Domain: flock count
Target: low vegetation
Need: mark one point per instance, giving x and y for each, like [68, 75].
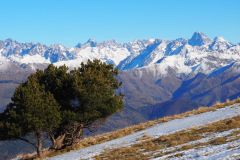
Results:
[88, 141]
[145, 148]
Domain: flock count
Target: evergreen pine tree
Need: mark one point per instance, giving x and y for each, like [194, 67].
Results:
[32, 111]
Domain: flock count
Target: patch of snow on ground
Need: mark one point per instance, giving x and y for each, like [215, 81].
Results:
[217, 152]
[203, 152]
[155, 131]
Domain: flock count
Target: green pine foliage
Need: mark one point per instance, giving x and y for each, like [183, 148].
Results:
[32, 111]
[95, 84]
[62, 103]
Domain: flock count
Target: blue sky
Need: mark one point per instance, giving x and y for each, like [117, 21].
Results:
[71, 21]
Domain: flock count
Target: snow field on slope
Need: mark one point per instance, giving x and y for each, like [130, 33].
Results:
[155, 131]
[229, 150]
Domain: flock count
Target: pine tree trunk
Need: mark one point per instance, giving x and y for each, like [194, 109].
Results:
[39, 145]
[57, 143]
[71, 134]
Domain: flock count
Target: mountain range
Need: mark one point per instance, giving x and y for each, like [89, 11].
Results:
[159, 77]
[183, 53]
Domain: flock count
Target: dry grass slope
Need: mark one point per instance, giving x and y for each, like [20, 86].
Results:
[88, 141]
[144, 149]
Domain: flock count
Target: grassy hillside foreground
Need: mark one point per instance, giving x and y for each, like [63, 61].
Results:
[149, 145]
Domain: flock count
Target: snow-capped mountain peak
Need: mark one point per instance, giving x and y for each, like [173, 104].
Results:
[90, 43]
[219, 39]
[79, 45]
[220, 44]
[199, 39]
